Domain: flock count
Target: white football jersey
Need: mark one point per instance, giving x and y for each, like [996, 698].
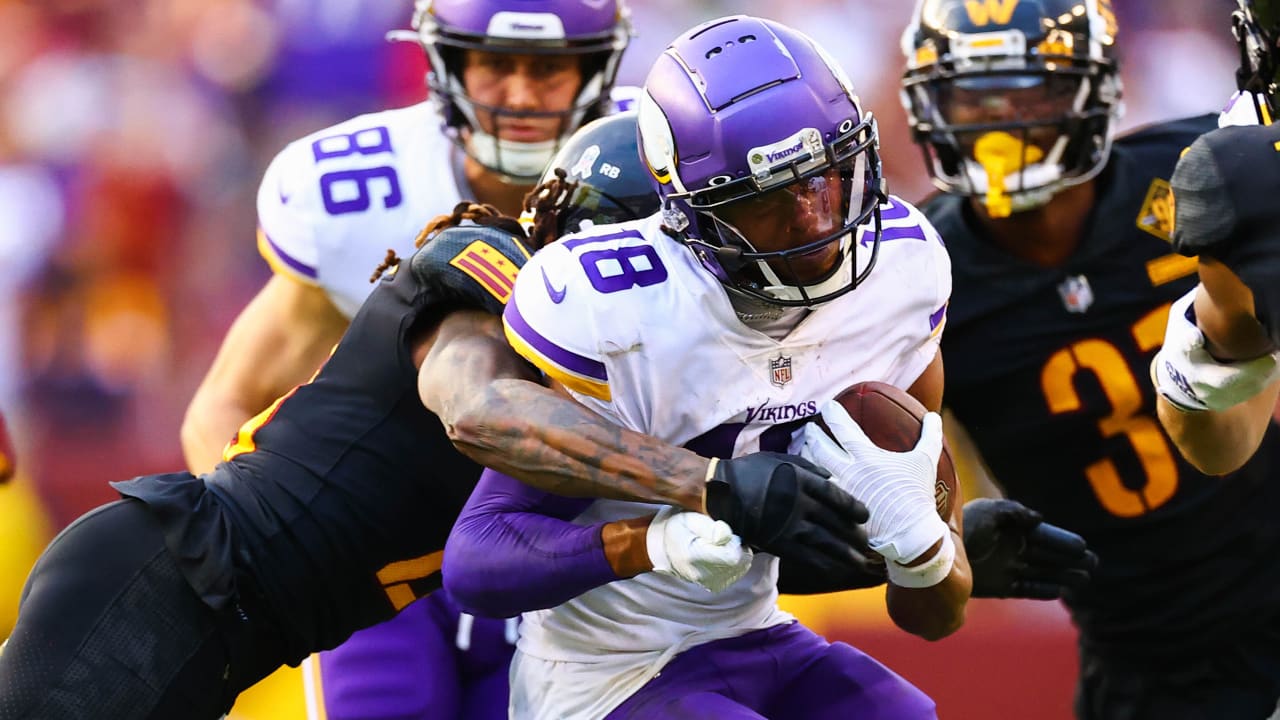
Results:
[332, 203]
[630, 321]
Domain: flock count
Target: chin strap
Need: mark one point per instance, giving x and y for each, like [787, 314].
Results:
[999, 156]
[517, 159]
[840, 277]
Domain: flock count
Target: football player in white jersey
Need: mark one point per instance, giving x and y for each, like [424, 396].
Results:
[727, 322]
[510, 82]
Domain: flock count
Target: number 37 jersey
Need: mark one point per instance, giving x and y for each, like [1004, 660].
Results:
[638, 330]
[1048, 370]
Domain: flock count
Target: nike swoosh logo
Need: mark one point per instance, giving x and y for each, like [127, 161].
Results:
[557, 296]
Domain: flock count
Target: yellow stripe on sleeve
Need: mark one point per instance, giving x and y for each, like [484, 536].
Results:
[577, 383]
[277, 264]
[1167, 268]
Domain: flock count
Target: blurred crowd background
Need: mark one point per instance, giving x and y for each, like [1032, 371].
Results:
[133, 134]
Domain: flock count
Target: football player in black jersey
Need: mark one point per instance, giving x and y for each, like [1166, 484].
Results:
[1063, 278]
[331, 508]
[1218, 374]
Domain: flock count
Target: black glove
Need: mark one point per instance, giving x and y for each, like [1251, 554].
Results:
[785, 505]
[1014, 553]
[799, 577]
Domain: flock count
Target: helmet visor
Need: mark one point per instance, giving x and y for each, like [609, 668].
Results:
[1033, 107]
[798, 229]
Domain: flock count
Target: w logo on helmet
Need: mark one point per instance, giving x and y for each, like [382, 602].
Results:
[984, 12]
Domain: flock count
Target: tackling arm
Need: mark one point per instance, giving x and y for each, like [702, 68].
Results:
[279, 340]
[497, 415]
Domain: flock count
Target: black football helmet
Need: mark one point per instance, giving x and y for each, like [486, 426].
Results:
[1256, 25]
[602, 171]
[1012, 100]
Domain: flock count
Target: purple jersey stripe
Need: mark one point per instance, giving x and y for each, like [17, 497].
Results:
[294, 264]
[936, 317]
[571, 361]
[572, 243]
[889, 234]
[894, 211]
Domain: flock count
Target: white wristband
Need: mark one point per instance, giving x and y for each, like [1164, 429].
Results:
[928, 574]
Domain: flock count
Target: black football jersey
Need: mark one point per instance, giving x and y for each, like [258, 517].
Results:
[1048, 370]
[338, 498]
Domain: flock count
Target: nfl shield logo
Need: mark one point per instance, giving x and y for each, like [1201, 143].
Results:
[780, 370]
[1076, 294]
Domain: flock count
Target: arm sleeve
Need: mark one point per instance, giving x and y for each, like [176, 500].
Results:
[515, 549]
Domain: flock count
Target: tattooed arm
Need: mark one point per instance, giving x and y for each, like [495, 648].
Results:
[496, 413]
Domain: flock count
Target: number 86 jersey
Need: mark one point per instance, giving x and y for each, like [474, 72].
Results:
[332, 203]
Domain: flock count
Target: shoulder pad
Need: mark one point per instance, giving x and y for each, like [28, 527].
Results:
[472, 265]
[1168, 134]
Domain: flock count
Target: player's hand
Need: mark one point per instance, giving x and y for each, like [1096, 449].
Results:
[1185, 374]
[1014, 553]
[785, 505]
[696, 548]
[896, 486]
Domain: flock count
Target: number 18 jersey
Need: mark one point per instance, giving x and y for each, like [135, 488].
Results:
[638, 330]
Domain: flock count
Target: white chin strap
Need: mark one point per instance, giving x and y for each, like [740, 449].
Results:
[839, 279]
[514, 158]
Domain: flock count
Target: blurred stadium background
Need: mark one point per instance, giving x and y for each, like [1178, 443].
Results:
[133, 134]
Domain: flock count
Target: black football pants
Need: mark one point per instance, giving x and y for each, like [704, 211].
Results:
[1240, 681]
[109, 629]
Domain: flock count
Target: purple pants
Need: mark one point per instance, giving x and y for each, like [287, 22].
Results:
[786, 671]
[411, 668]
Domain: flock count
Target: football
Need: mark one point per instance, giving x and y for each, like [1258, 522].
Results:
[892, 419]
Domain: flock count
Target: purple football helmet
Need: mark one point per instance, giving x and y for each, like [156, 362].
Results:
[764, 160]
[596, 31]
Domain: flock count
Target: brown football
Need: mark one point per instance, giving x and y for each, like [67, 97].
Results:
[892, 419]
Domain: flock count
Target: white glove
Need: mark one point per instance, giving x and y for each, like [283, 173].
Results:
[1244, 109]
[1186, 375]
[693, 547]
[897, 488]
